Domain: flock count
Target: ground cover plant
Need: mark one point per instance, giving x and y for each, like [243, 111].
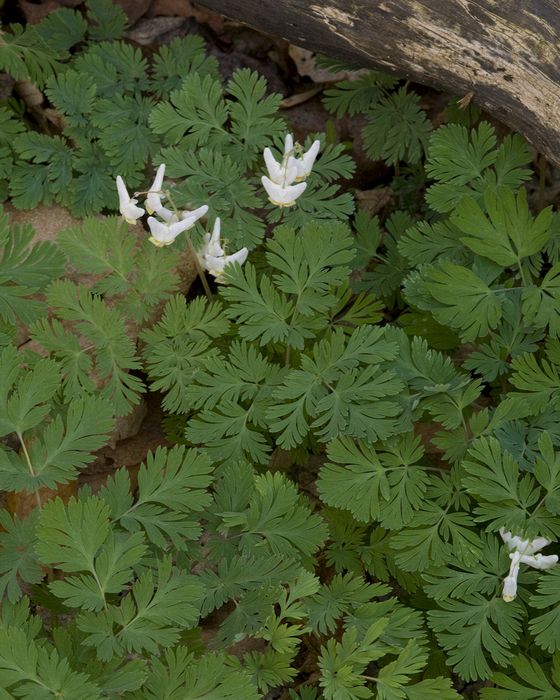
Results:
[360, 494]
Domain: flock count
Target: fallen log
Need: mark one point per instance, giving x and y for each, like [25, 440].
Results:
[505, 53]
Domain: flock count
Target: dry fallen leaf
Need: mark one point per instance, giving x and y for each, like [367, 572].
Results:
[306, 67]
[299, 98]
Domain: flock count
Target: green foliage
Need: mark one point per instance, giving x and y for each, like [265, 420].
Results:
[108, 351]
[531, 682]
[476, 631]
[25, 54]
[397, 130]
[387, 487]
[465, 164]
[276, 521]
[354, 417]
[171, 485]
[509, 233]
[33, 670]
[26, 268]
[355, 96]
[135, 278]
[55, 442]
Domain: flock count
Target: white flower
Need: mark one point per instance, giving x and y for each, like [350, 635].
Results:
[282, 196]
[127, 204]
[523, 552]
[212, 256]
[164, 233]
[216, 265]
[524, 546]
[166, 214]
[283, 173]
[281, 176]
[191, 217]
[171, 218]
[211, 245]
[153, 200]
[509, 591]
[305, 163]
[540, 561]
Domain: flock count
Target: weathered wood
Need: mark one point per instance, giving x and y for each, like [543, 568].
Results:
[506, 53]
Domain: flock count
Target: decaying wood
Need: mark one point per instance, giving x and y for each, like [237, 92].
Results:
[506, 53]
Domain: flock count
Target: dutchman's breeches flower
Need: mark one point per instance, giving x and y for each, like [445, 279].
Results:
[281, 176]
[212, 256]
[127, 204]
[153, 200]
[282, 195]
[523, 552]
[166, 233]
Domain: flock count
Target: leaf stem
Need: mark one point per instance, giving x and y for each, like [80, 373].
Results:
[520, 266]
[30, 467]
[199, 270]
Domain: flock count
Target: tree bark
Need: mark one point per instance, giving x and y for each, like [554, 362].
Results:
[506, 53]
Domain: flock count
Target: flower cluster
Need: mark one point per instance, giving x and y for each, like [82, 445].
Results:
[523, 552]
[163, 232]
[296, 165]
[165, 229]
[278, 184]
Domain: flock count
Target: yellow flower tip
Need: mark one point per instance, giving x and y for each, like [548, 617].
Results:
[282, 204]
[131, 222]
[158, 244]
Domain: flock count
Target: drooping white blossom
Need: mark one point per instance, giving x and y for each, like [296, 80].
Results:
[212, 256]
[211, 243]
[215, 265]
[191, 217]
[153, 199]
[127, 204]
[282, 195]
[523, 551]
[164, 233]
[306, 161]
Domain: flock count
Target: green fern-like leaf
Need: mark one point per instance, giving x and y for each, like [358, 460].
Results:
[276, 520]
[179, 344]
[113, 351]
[26, 55]
[176, 60]
[527, 680]
[476, 632]
[19, 561]
[107, 20]
[172, 488]
[25, 269]
[62, 29]
[148, 618]
[465, 163]
[139, 276]
[398, 129]
[374, 486]
[211, 675]
[332, 393]
[30, 670]
[357, 96]
[456, 297]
